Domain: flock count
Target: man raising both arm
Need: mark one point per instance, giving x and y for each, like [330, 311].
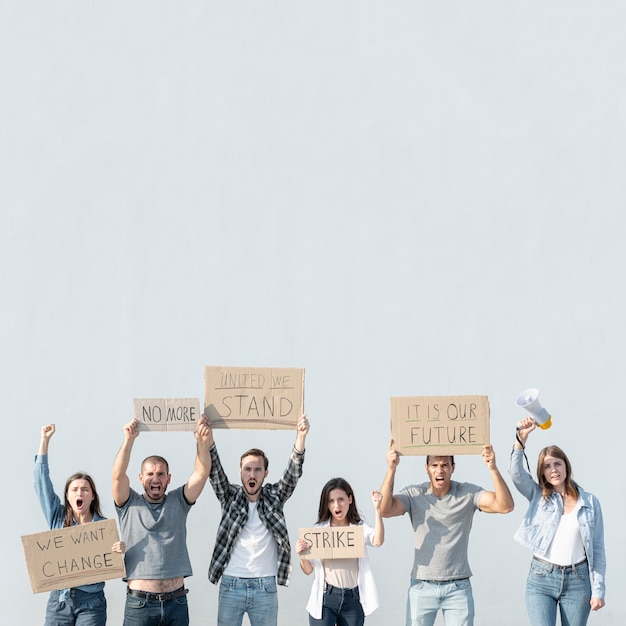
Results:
[441, 512]
[252, 553]
[153, 525]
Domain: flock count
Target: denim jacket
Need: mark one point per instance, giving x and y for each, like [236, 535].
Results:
[543, 516]
[54, 512]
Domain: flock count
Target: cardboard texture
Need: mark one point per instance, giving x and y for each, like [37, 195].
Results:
[73, 556]
[251, 398]
[339, 542]
[440, 425]
[167, 413]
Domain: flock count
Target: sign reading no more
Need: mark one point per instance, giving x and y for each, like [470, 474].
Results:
[167, 413]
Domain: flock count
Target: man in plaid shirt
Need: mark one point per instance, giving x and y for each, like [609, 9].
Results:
[252, 552]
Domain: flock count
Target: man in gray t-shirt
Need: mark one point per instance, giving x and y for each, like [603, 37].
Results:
[441, 513]
[153, 525]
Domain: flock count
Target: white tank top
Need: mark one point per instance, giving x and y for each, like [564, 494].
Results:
[567, 546]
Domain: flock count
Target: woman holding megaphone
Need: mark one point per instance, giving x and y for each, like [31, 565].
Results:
[564, 529]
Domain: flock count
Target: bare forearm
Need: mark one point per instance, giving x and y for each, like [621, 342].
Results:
[386, 489]
[504, 500]
[379, 530]
[122, 460]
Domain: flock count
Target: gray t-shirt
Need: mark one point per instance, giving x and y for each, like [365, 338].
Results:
[155, 536]
[441, 529]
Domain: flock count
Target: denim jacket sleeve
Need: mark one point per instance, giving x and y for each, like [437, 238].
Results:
[50, 503]
[522, 480]
[592, 530]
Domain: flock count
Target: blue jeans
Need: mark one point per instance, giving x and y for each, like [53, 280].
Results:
[80, 609]
[454, 598]
[341, 607]
[145, 612]
[550, 585]
[258, 597]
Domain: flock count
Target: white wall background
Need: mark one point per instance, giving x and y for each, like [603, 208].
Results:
[404, 198]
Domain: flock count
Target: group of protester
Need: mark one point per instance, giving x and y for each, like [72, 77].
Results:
[563, 528]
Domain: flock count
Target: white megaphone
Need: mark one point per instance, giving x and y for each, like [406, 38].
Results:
[529, 401]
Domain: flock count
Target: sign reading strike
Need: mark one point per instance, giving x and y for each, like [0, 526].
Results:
[338, 542]
[73, 556]
[440, 424]
[167, 413]
[253, 398]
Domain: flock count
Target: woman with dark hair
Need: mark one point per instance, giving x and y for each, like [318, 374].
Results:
[343, 591]
[564, 529]
[84, 605]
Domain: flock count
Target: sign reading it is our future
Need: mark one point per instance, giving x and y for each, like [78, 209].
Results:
[440, 425]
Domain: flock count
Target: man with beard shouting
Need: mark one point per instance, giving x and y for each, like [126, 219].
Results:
[154, 527]
[252, 553]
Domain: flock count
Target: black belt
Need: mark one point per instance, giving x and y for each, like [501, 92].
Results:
[159, 597]
[443, 582]
[561, 567]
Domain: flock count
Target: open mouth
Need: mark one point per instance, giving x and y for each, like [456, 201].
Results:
[79, 503]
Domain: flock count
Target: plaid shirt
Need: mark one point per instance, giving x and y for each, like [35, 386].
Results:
[235, 514]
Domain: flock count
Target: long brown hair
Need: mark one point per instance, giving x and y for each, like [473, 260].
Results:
[95, 503]
[546, 488]
[337, 483]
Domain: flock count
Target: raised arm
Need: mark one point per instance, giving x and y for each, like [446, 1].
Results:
[290, 477]
[500, 500]
[46, 434]
[50, 503]
[302, 430]
[202, 465]
[522, 479]
[390, 506]
[121, 482]
[379, 527]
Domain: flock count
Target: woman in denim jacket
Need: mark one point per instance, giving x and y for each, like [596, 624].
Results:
[86, 604]
[564, 529]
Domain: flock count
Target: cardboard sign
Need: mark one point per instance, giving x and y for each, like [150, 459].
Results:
[339, 542]
[440, 425]
[253, 398]
[73, 556]
[167, 413]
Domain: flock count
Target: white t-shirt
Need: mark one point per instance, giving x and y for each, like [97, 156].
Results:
[255, 553]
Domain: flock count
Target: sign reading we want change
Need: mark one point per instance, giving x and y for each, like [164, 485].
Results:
[73, 556]
[440, 425]
[259, 398]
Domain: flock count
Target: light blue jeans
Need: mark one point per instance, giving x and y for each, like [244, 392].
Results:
[454, 598]
[258, 597]
[81, 608]
[550, 585]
